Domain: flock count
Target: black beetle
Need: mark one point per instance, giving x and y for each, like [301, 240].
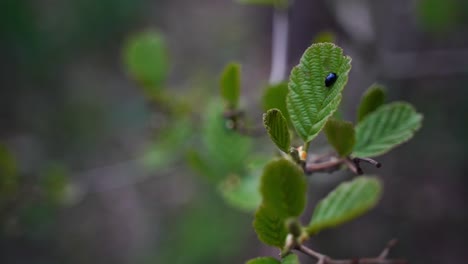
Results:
[330, 79]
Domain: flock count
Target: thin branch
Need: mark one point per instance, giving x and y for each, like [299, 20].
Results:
[353, 166]
[279, 49]
[381, 259]
[368, 160]
[332, 164]
[392, 243]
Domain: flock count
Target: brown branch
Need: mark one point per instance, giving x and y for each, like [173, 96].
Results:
[368, 160]
[353, 166]
[329, 165]
[381, 259]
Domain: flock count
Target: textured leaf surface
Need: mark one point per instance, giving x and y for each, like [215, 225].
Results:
[310, 103]
[277, 128]
[341, 136]
[263, 260]
[270, 226]
[348, 201]
[386, 128]
[371, 100]
[291, 258]
[146, 59]
[230, 85]
[274, 96]
[283, 188]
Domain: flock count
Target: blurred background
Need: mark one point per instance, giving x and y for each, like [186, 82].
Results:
[104, 159]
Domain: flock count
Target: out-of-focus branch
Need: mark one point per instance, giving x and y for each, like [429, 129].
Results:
[381, 259]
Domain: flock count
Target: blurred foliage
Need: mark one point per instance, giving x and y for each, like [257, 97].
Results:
[442, 15]
[230, 85]
[325, 36]
[274, 3]
[54, 181]
[146, 59]
[8, 175]
[225, 150]
[341, 136]
[169, 144]
[206, 232]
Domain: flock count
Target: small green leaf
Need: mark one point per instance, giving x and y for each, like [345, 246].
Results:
[341, 136]
[283, 188]
[291, 258]
[372, 99]
[348, 201]
[146, 59]
[274, 96]
[270, 226]
[310, 103]
[277, 128]
[263, 260]
[384, 129]
[230, 85]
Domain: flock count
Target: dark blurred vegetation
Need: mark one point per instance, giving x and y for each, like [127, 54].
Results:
[93, 162]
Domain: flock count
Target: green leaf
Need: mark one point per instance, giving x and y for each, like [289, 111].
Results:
[310, 103]
[230, 85]
[348, 201]
[275, 3]
[263, 260]
[274, 96]
[389, 126]
[146, 59]
[341, 136]
[277, 128]
[270, 226]
[167, 146]
[291, 258]
[283, 188]
[372, 99]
